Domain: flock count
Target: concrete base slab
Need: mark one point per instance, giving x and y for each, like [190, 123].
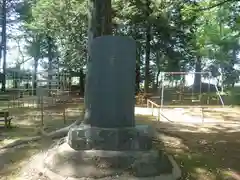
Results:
[96, 164]
[38, 167]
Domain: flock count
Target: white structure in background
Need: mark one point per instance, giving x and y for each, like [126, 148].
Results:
[20, 84]
[163, 112]
[53, 89]
[186, 75]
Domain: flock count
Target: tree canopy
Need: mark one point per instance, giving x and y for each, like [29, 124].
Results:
[179, 35]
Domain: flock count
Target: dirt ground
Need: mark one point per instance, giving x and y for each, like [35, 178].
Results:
[204, 152]
[207, 151]
[27, 122]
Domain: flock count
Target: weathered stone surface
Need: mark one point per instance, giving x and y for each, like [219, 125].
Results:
[110, 82]
[99, 164]
[38, 168]
[86, 137]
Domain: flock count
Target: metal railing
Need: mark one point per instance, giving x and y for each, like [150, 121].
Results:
[152, 105]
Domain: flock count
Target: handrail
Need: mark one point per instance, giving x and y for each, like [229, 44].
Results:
[151, 102]
[152, 107]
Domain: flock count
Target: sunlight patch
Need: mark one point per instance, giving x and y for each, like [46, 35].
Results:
[204, 174]
[8, 141]
[173, 142]
[231, 174]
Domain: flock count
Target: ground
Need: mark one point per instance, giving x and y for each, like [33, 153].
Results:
[211, 155]
[209, 152]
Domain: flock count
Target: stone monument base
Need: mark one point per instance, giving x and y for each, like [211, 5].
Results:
[85, 137]
[96, 153]
[66, 162]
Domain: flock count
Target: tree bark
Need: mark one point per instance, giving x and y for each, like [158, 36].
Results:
[197, 77]
[4, 43]
[50, 62]
[52, 135]
[138, 73]
[156, 81]
[81, 82]
[148, 49]
[35, 76]
[36, 61]
[99, 24]
[100, 18]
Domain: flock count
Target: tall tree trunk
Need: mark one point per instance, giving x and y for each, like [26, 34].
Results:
[35, 76]
[4, 43]
[81, 82]
[69, 83]
[36, 62]
[100, 18]
[99, 24]
[138, 79]
[147, 54]
[233, 61]
[50, 62]
[156, 81]
[197, 77]
[159, 60]
[138, 73]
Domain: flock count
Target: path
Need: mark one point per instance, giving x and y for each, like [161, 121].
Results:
[193, 114]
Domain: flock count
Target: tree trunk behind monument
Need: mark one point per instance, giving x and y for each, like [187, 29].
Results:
[100, 18]
[99, 24]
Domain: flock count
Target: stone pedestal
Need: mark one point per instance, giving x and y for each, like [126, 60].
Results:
[85, 137]
[96, 164]
[99, 153]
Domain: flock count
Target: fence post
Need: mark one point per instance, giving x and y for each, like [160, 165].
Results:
[152, 109]
[202, 114]
[158, 114]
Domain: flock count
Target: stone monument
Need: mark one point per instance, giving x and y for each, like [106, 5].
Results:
[108, 143]
[111, 82]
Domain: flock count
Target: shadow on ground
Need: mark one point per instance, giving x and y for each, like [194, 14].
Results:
[209, 153]
[27, 121]
[204, 152]
[12, 160]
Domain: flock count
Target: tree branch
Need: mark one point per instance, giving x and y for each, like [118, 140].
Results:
[217, 4]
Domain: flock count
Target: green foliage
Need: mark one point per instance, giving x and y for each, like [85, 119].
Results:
[65, 21]
[181, 31]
